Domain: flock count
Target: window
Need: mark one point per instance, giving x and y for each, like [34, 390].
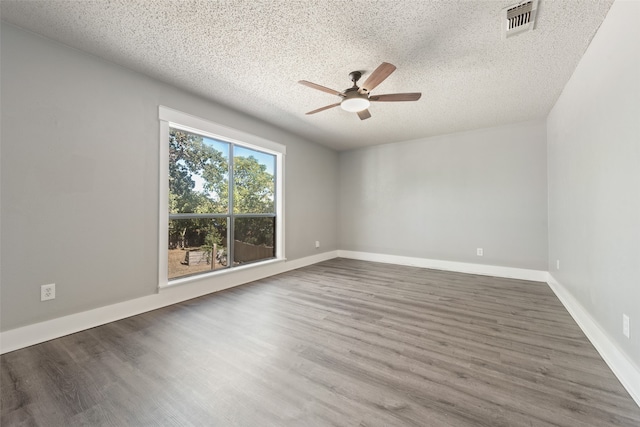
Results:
[223, 201]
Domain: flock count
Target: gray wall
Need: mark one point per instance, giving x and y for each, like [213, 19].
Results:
[594, 178]
[79, 176]
[443, 197]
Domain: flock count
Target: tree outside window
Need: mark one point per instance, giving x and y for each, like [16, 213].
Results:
[221, 204]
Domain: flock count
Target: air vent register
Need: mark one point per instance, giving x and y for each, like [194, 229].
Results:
[518, 18]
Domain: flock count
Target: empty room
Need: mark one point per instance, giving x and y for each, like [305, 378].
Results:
[329, 213]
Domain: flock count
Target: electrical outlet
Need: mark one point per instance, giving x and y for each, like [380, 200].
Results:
[479, 252]
[557, 264]
[48, 292]
[625, 325]
[317, 243]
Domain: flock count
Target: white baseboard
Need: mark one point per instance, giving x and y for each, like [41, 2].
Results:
[25, 336]
[623, 368]
[460, 267]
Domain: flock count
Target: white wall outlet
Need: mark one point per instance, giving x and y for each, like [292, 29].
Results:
[480, 252]
[557, 264]
[317, 243]
[625, 325]
[48, 292]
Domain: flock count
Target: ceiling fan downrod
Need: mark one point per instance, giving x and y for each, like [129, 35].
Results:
[355, 76]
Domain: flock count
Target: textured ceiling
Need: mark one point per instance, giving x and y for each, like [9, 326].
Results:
[249, 55]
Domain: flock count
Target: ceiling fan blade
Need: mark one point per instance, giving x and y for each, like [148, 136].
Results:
[322, 88]
[323, 108]
[393, 97]
[379, 74]
[364, 114]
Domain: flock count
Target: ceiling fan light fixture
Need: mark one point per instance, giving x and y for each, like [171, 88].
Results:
[354, 105]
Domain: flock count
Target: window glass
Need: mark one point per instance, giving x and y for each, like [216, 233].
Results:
[203, 218]
[198, 174]
[197, 245]
[253, 180]
[254, 239]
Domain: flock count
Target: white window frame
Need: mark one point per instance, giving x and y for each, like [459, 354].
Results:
[174, 118]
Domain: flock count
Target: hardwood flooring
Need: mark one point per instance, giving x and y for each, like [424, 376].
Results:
[344, 342]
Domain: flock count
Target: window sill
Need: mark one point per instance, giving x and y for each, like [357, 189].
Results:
[218, 273]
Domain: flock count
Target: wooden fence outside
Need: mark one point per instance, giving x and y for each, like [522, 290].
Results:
[244, 252]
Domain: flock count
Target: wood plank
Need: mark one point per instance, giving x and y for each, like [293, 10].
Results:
[342, 342]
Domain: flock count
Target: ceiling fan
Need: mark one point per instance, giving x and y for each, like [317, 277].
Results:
[357, 99]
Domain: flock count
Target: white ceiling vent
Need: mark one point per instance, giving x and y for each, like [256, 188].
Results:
[518, 18]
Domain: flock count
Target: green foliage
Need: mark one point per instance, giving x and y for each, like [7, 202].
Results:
[191, 158]
[253, 186]
[255, 231]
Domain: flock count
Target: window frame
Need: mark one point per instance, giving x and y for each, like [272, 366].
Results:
[170, 118]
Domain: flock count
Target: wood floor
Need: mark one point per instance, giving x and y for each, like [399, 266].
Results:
[344, 342]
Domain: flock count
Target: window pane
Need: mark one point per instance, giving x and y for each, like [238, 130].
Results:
[254, 181]
[254, 239]
[198, 173]
[192, 243]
